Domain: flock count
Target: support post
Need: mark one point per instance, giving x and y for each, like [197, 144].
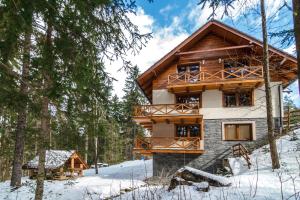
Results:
[72, 166]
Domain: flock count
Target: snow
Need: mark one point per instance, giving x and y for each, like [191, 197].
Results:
[108, 182]
[222, 180]
[54, 159]
[259, 183]
[201, 185]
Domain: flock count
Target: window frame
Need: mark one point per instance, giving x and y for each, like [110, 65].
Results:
[190, 94]
[187, 66]
[237, 62]
[188, 130]
[237, 123]
[237, 98]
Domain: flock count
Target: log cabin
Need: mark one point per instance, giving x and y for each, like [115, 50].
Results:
[207, 96]
[59, 165]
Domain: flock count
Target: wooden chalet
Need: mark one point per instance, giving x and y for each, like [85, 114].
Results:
[207, 95]
[59, 165]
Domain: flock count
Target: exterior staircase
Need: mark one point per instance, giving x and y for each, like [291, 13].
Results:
[238, 150]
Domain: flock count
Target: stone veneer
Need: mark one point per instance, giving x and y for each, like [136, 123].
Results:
[214, 146]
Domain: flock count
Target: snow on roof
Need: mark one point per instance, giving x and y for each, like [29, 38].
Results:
[54, 159]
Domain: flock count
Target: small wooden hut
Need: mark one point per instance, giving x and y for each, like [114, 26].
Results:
[59, 165]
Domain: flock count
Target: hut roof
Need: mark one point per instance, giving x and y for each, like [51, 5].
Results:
[54, 159]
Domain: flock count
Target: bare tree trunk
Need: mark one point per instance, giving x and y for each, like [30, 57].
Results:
[44, 133]
[270, 120]
[296, 13]
[86, 147]
[96, 154]
[22, 116]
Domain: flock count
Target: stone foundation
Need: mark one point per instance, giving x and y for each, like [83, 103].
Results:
[215, 148]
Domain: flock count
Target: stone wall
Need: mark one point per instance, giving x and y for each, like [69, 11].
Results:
[215, 148]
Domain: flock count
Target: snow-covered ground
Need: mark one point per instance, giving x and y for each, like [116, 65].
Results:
[260, 182]
[108, 183]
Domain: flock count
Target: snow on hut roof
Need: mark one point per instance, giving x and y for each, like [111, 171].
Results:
[54, 159]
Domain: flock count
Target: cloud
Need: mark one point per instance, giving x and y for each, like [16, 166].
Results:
[291, 49]
[294, 95]
[166, 9]
[164, 39]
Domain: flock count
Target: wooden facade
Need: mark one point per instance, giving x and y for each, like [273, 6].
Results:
[215, 57]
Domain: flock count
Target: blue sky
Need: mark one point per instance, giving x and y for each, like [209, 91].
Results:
[171, 21]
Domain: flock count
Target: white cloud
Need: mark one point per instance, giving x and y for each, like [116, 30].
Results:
[164, 40]
[166, 9]
[291, 49]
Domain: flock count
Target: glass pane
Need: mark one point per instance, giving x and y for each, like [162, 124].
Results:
[245, 131]
[181, 131]
[194, 68]
[181, 69]
[194, 130]
[230, 99]
[228, 64]
[245, 99]
[188, 98]
[230, 132]
[242, 63]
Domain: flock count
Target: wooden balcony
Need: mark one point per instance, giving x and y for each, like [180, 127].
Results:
[149, 145]
[167, 109]
[242, 77]
[146, 115]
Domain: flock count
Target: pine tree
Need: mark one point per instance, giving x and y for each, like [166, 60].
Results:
[132, 98]
[70, 42]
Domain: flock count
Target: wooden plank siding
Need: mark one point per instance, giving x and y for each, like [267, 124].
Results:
[210, 65]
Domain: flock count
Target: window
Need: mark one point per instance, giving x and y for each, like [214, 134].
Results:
[181, 69]
[181, 131]
[235, 63]
[231, 66]
[192, 69]
[233, 99]
[188, 98]
[238, 132]
[191, 130]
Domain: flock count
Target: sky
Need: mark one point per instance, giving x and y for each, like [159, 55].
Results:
[172, 21]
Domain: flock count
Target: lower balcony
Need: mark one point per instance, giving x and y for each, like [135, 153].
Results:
[149, 145]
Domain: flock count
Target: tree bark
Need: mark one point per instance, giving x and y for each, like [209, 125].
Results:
[296, 14]
[96, 154]
[22, 116]
[86, 147]
[44, 134]
[43, 138]
[270, 120]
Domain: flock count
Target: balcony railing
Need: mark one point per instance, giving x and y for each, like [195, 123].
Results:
[167, 109]
[160, 144]
[241, 73]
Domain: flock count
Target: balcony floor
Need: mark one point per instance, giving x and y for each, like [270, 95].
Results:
[221, 85]
[166, 150]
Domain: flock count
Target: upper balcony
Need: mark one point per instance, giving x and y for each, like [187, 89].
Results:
[231, 78]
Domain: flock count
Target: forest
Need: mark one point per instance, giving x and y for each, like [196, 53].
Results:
[56, 93]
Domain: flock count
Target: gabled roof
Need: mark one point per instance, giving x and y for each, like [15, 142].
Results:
[54, 159]
[219, 28]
